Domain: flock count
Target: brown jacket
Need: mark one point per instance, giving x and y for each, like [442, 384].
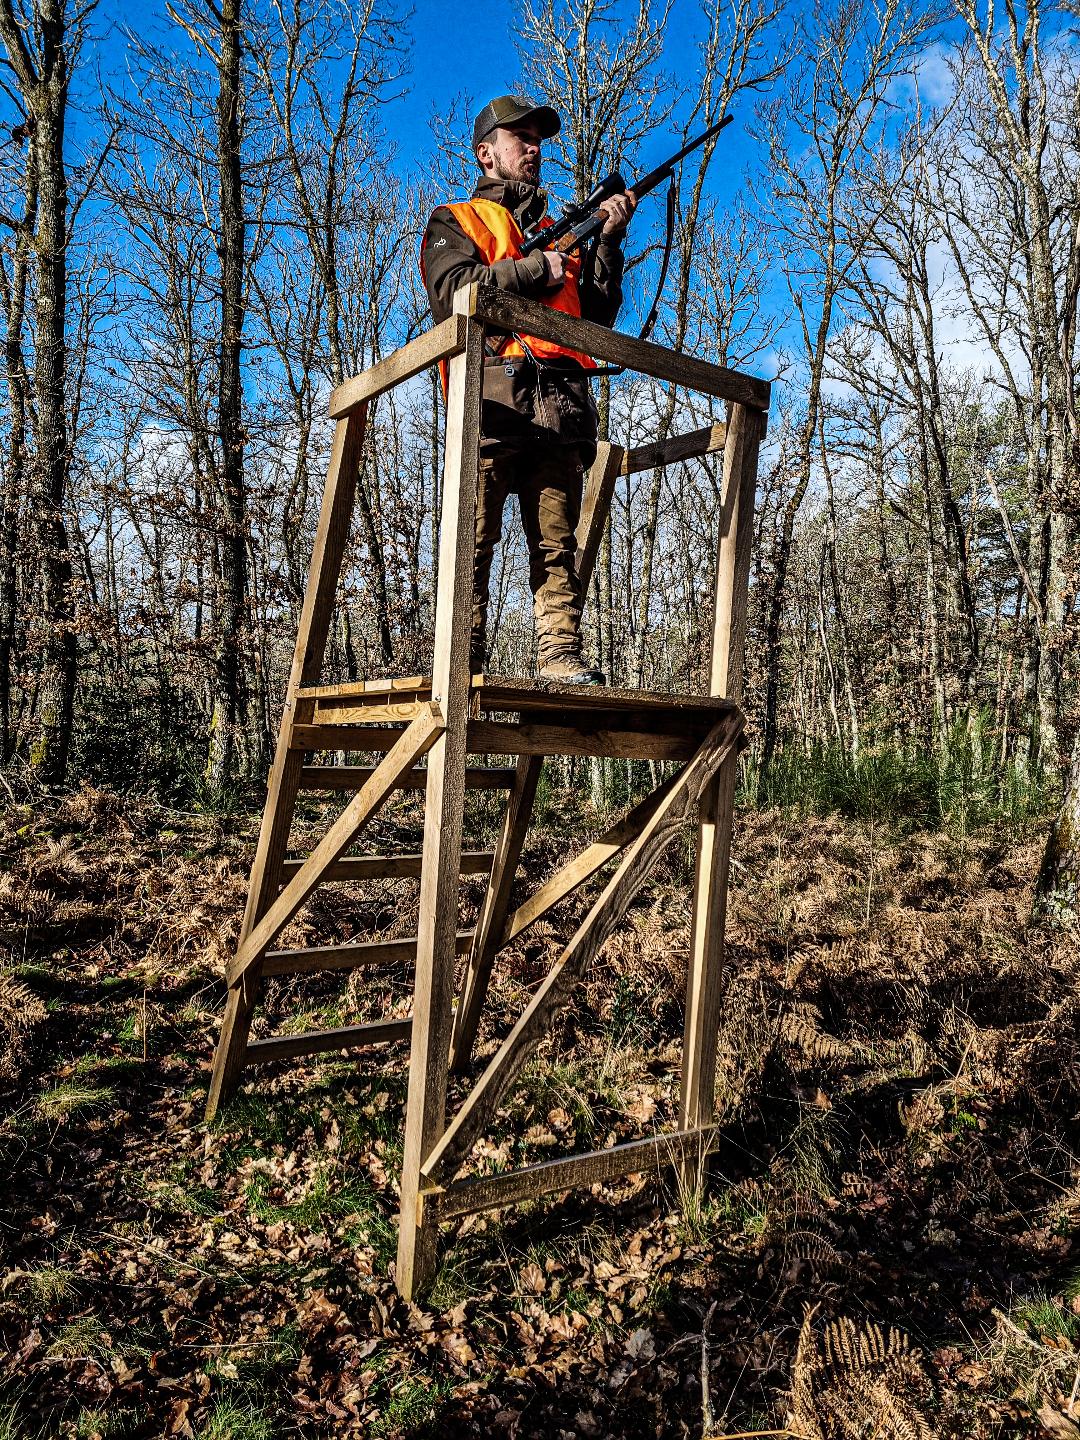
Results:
[523, 404]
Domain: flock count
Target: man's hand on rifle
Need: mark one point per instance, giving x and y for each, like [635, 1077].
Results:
[555, 261]
[617, 211]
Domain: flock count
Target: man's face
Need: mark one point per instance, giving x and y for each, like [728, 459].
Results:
[511, 154]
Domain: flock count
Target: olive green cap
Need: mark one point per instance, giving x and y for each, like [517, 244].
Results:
[506, 110]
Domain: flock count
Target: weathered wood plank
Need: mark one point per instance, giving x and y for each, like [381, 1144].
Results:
[576, 871]
[585, 701]
[595, 505]
[662, 827]
[420, 354]
[421, 735]
[355, 777]
[322, 1042]
[413, 686]
[425, 1112]
[691, 446]
[506, 313]
[390, 867]
[705, 978]
[345, 737]
[493, 1192]
[357, 955]
[489, 737]
[492, 922]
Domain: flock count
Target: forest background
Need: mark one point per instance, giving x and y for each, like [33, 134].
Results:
[207, 222]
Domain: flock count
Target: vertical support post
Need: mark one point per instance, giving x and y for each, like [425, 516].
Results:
[704, 989]
[425, 1117]
[331, 536]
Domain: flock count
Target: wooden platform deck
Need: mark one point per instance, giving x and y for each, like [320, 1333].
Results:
[510, 716]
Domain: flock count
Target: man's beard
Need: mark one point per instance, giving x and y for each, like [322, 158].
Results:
[530, 181]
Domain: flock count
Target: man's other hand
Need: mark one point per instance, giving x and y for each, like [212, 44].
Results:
[617, 210]
[555, 261]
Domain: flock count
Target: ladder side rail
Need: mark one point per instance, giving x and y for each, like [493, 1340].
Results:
[425, 1116]
[283, 783]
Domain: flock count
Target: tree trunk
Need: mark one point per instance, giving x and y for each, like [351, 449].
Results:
[1057, 890]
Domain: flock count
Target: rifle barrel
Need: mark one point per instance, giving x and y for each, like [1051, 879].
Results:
[653, 178]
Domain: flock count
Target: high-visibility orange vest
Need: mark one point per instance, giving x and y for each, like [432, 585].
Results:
[497, 236]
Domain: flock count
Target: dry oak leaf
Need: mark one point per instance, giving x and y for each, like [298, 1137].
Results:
[533, 1278]
[1055, 1423]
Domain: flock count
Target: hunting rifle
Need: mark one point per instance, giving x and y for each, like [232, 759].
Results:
[581, 222]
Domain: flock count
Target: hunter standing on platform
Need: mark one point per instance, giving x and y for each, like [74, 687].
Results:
[538, 421]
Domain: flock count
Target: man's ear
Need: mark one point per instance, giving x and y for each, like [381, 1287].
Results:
[483, 154]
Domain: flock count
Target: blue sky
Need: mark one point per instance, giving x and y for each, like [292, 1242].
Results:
[477, 55]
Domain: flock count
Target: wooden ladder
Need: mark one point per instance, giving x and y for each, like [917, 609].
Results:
[443, 719]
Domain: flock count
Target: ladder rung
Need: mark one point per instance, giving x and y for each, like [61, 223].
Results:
[349, 957]
[396, 867]
[352, 777]
[317, 1042]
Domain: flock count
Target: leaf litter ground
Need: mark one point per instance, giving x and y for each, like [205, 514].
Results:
[885, 1245]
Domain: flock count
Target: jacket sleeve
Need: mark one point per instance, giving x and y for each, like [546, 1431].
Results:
[451, 260]
[601, 283]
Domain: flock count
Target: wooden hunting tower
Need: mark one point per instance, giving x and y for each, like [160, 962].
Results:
[452, 715]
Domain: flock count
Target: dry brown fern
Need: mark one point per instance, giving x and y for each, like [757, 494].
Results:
[858, 1382]
[801, 1029]
[20, 1008]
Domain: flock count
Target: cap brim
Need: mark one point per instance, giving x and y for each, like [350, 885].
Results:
[545, 119]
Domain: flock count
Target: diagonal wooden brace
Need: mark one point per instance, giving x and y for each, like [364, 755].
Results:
[415, 741]
[472, 1120]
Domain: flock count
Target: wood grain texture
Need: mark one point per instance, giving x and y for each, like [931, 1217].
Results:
[322, 1042]
[662, 827]
[506, 313]
[595, 505]
[576, 1172]
[492, 922]
[587, 702]
[390, 867]
[434, 982]
[355, 777]
[357, 738]
[356, 955]
[705, 978]
[707, 441]
[489, 737]
[420, 354]
[413, 742]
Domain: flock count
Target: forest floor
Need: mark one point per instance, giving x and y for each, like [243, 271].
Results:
[887, 1246]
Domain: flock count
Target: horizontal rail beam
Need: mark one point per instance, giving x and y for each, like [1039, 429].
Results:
[426, 350]
[355, 956]
[354, 777]
[489, 737]
[391, 867]
[469, 1197]
[691, 446]
[511, 314]
[321, 1042]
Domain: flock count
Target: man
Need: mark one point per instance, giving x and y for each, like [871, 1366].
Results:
[538, 420]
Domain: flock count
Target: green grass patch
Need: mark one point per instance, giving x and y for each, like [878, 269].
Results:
[411, 1408]
[71, 1098]
[348, 1207]
[236, 1419]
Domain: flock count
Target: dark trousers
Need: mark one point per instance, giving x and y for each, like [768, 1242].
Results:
[548, 482]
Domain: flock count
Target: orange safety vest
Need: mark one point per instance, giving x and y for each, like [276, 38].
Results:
[497, 236]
